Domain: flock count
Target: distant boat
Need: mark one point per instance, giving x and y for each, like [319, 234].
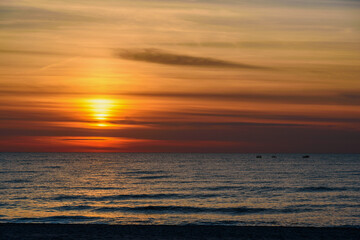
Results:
[273, 156]
[306, 156]
[258, 156]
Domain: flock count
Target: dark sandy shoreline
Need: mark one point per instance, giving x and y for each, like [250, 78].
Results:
[12, 231]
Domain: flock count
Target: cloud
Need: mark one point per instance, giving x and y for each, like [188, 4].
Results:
[154, 55]
[264, 115]
[313, 45]
[265, 138]
[325, 98]
[202, 123]
[34, 114]
[350, 98]
[10, 51]
[83, 139]
[26, 17]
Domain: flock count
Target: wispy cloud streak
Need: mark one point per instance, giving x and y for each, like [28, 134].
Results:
[351, 98]
[159, 56]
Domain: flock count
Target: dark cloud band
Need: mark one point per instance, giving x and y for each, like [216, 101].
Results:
[351, 98]
[154, 55]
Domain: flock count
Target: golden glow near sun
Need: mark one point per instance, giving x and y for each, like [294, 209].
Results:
[101, 110]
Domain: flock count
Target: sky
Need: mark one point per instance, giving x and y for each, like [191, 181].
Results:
[180, 76]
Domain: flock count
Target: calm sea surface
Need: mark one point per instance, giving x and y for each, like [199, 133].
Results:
[233, 189]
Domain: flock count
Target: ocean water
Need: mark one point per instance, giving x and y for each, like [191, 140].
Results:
[226, 189]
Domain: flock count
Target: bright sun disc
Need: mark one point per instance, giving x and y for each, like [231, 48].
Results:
[101, 110]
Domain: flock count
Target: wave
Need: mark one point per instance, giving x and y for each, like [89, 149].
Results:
[320, 189]
[224, 222]
[147, 174]
[19, 198]
[18, 181]
[151, 209]
[221, 188]
[132, 196]
[73, 208]
[19, 171]
[179, 209]
[143, 172]
[16, 187]
[243, 188]
[190, 210]
[88, 188]
[55, 219]
[333, 205]
[66, 197]
[52, 167]
[154, 177]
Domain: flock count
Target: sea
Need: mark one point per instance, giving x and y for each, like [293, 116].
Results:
[180, 189]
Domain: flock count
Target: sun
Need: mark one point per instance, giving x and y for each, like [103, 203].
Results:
[101, 110]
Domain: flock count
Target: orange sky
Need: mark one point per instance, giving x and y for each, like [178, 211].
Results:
[179, 76]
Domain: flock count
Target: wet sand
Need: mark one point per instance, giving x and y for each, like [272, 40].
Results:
[10, 231]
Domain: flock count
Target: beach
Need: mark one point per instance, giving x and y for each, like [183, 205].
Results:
[10, 231]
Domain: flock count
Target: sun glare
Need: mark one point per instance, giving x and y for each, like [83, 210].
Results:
[101, 110]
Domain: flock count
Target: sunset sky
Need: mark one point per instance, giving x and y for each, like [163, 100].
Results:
[180, 76]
